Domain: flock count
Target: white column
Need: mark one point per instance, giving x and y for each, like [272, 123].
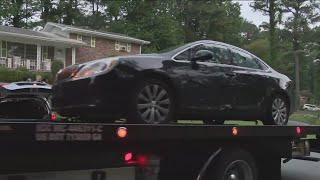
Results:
[38, 63]
[73, 59]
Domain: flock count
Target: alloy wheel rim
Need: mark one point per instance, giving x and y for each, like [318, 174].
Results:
[153, 104]
[279, 111]
[238, 170]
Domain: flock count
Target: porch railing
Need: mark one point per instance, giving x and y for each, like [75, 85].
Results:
[31, 64]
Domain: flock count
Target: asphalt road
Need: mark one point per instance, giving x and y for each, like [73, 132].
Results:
[301, 170]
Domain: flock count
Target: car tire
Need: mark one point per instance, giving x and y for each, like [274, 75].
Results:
[277, 112]
[234, 162]
[152, 102]
[213, 122]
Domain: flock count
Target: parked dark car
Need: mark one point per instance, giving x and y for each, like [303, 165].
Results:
[25, 100]
[206, 80]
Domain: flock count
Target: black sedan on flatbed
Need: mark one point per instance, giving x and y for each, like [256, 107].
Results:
[206, 80]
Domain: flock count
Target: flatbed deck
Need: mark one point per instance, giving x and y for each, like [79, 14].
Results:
[53, 146]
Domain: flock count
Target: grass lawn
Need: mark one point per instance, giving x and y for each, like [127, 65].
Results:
[309, 117]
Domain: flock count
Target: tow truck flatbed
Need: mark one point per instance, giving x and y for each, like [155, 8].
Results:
[181, 151]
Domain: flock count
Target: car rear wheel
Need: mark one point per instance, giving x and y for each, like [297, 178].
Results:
[152, 103]
[277, 112]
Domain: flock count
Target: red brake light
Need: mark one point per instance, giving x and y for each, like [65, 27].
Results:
[235, 131]
[53, 116]
[122, 132]
[298, 130]
[142, 160]
[128, 156]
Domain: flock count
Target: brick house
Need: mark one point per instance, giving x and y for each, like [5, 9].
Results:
[35, 50]
[99, 44]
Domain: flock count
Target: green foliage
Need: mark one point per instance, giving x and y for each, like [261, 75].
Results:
[167, 23]
[20, 74]
[260, 48]
[56, 65]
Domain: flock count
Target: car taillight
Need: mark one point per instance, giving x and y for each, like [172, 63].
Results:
[67, 72]
[298, 130]
[53, 116]
[235, 131]
[128, 156]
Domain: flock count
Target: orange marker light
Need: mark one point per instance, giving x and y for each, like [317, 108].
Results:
[235, 131]
[298, 130]
[128, 156]
[122, 132]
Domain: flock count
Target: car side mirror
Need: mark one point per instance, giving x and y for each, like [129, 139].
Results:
[202, 55]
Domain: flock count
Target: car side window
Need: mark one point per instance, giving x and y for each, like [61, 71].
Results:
[184, 56]
[242, 59]
[220, 53]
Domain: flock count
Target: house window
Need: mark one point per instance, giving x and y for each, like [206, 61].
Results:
[31, 51]
[3, 49]
[44, 52]
[93, 42]
[79, 37]
[15, 49]
[121, 46]
[87, 39]
[117, 46]
[128, 47]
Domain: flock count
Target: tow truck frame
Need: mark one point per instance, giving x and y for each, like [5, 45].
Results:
[162, 152]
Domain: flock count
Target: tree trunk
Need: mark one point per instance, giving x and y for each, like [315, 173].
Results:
[296, 57]
[297, 80]
[272, 21]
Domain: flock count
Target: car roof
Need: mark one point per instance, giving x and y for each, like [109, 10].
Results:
[26, 88]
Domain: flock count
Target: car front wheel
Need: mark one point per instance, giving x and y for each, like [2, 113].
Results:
[277, 112]
[152, 103]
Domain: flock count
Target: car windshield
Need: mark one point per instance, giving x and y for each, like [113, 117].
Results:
[23, 108]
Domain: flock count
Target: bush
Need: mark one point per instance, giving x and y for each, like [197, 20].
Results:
[20, 74]
[56, 65]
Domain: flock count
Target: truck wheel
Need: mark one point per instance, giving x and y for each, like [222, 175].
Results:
[235, 164]
[152, 103]
[277, 112]
[213, 122]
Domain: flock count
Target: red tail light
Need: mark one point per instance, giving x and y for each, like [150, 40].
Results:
[142, 160]
[53, 116]
[298, 130]
[128, 156]
[235, 131]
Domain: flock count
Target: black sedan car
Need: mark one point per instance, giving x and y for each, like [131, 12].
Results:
[24, 100]
[203, 80]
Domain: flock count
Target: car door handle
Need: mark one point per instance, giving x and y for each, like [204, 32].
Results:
[231, 74]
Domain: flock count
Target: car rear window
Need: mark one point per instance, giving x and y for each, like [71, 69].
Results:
[24, 108]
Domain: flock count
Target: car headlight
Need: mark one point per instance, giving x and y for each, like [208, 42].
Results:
[96, 67]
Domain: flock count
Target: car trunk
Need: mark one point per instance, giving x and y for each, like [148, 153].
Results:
[24, 108]
[26, 88]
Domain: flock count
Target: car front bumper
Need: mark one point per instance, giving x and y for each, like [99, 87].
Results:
[103, 95]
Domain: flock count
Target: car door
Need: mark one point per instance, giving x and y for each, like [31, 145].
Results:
[249, 83]
[208, 88]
